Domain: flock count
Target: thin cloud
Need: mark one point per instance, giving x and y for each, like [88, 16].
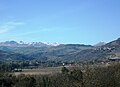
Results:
[3, 31]
[41, 30]
[9, 26]
[15, 23]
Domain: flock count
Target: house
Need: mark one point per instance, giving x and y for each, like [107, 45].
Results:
[114, 59]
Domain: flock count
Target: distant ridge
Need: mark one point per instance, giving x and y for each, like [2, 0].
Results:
[114, 43]
[12, 50]
[100, 44]
[27, 44]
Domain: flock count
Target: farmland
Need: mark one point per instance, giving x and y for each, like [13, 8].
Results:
[39, 71]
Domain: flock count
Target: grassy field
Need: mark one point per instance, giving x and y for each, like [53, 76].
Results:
[42, 71]
[39, 71]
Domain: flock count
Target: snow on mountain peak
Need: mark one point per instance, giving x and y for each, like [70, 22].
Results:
[25, 44]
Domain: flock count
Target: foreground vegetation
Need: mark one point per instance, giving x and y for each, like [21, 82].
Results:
[108, 76]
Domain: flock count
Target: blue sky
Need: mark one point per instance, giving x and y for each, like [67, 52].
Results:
[63, 21]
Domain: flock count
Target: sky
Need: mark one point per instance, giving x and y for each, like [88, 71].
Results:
[62, 21]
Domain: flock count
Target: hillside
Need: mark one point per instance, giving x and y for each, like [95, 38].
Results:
[63, 52]
[9, 56]
[103, 52]
[46, 53]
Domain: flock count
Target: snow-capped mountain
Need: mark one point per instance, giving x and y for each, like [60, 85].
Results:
[26, 44]
[99, 44]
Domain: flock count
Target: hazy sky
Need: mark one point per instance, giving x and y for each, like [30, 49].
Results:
[63, 21]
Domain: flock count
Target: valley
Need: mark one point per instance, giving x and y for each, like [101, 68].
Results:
[75, 65]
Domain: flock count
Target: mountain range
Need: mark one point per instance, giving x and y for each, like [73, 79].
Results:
[11, 50]
[27, 44]
[100, 44]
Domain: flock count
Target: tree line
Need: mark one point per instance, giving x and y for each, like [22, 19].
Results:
[107, 76]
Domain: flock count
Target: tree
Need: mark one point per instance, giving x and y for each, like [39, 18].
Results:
[64, 70]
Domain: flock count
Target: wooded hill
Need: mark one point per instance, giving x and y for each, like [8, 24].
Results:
[63, 52]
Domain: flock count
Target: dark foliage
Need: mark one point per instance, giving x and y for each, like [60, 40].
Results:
[91, 77]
